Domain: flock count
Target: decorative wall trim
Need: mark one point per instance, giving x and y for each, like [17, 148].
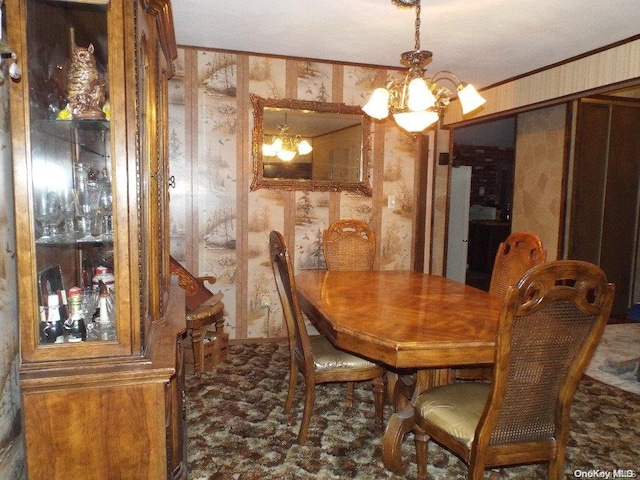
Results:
[588, 74]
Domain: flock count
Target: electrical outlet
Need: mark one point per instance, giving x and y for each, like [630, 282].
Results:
[265, 301]
[391, 201]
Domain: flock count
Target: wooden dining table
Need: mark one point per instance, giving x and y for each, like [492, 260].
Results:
[404, 320]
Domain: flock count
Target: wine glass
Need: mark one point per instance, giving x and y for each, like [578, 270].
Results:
[88, 308]
[49, 211]
[106, 208]
[87, 203]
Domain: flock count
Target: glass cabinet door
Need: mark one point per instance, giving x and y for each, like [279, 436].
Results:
[70, 165]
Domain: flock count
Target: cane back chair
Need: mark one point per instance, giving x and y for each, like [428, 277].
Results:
[517, 254]
[349, 244]
[549, 327]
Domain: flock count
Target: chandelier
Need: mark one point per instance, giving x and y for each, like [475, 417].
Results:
[418, 101]
[285, 146]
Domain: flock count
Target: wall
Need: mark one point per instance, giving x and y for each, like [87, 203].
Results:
[11, 435]
[219, 227]
[538, 183]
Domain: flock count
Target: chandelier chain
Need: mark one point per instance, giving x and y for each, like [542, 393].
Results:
[412, 3]
[418, 26]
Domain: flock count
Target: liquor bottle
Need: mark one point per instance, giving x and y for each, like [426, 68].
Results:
[53, 329]
[74, 326]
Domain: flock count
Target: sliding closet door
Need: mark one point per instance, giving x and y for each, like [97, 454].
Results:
[606, 178]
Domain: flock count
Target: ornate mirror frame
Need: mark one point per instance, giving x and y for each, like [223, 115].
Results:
[363, 185]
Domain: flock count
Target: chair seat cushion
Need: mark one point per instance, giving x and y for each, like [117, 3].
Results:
[205, 314]
[327, 357]
[455, 408]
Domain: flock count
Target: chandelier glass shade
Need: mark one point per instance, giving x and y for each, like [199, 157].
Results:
[418, 101]
[285, 146]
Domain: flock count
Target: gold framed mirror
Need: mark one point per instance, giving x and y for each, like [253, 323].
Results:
[310, 146]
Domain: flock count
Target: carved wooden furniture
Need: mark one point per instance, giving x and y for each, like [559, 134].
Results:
[349, 244]
[314, 357]
[549, 328]
[111, 404]
[203, 309]
[517, 254]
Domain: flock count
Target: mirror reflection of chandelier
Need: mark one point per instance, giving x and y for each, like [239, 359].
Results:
[285, 146]
[418, 101]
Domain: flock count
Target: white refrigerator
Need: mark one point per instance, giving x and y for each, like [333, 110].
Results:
[458, 240]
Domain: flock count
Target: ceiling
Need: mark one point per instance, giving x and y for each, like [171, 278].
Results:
[482, 41]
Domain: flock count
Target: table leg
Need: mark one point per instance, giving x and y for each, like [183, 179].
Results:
[399, 425]
[406, 391]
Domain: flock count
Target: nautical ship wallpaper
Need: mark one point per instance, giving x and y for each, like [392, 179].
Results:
[219, 227]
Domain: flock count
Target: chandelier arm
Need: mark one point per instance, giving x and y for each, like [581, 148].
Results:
[441, 76]
[405, 3]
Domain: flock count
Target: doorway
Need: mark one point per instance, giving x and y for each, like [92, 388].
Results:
[489, 150]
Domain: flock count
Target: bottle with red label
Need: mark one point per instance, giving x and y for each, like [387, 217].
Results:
[104, 274]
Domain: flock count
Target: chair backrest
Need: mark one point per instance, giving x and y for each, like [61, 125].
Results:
[549, 327]
[195, 291]
[517, 254]
[299, 343]
[349, 245]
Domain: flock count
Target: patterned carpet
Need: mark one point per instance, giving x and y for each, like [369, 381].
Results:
[237, 428]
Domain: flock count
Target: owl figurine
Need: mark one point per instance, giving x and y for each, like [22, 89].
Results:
[85, 89]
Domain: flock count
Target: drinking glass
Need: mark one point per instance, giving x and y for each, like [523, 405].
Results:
[49, 211]
[87, 202]
[88, 308]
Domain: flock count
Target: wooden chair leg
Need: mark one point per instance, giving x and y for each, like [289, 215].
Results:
[556, 465]
[348, 402]
[293, 380]
[378, 396]
[197, 335]
[309, 399]
[476, 470]
[422, 447]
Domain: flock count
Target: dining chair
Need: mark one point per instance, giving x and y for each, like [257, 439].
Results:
[517, 254]
[549, 327]
[314, 356]
[349, 245]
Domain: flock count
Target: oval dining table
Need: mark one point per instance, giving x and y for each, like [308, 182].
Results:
[405, 320]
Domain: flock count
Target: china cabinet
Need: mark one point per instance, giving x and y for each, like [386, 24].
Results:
[100, 320]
